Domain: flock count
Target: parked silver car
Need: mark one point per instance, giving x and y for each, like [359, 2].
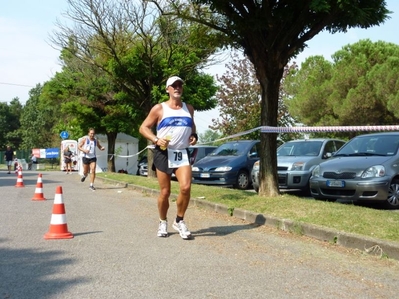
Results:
[142, 166]
[296, 160]
[365, 169]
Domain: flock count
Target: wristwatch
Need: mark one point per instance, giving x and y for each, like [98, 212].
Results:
[156, 140]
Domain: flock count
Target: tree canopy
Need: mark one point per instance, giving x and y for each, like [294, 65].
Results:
[139, 50]
[209, 136]
[9, 123]
[362, 77]
[117, 57]
[239, 100]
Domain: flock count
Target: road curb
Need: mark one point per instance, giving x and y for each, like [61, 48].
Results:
[365, 244]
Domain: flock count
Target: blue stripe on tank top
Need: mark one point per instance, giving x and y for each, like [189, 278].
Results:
[179, 121]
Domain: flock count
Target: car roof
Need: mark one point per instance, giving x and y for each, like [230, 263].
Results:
[314, 139]
[202, 145]
[379, 134]
[242, 141]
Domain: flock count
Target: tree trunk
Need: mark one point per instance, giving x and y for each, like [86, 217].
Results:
[111, 151]
[269, 78]
[150, 159]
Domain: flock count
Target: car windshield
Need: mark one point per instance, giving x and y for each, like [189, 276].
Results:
[300, 148]
[231, 149]
[373, 145]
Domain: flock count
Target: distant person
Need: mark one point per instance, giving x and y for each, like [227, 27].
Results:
[175, 133]
[33, 160]
[88, 146]
[68, 160]
[9, 157]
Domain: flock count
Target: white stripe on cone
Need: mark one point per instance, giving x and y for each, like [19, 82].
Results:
[58, 219]
[58, 199]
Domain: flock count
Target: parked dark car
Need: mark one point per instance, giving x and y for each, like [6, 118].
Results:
[229, 165]
[366, 168]
[296, 160]
[196, 152]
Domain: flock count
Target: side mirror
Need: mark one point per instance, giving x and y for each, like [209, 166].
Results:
[327, 155]
[253, 155]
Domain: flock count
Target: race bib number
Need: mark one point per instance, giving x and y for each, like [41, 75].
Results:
[177, 158]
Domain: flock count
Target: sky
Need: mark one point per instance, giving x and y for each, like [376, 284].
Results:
[28, 58]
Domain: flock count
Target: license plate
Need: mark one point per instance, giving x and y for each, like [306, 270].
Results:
[339, 184]
[204, 175]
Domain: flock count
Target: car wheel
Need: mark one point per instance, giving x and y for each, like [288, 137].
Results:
[392, 201]
[242, 180]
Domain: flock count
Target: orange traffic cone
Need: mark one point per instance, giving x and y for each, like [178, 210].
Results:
[18, 168]
[20, 181]
[58, 223]
[39, 189]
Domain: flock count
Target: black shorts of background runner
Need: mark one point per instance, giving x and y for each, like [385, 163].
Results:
[88, 160]
[161, 160]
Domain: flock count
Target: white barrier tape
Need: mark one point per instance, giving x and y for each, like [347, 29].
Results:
[266, 129]
[129, 156]
[232, 136]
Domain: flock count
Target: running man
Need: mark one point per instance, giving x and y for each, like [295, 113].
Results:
[88, 146]
[176, 131]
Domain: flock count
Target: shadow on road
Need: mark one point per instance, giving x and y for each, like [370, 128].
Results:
[220, 231]
[29, 273]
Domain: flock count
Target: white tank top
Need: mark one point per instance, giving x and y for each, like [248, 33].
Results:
[91, 146]
[175, 125]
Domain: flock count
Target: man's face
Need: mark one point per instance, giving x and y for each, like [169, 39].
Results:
[176, 89]
[91, 134]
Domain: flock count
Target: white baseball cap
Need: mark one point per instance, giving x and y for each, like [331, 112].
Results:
[172, 80]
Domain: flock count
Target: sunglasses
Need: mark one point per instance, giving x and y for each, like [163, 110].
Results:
[175, 85]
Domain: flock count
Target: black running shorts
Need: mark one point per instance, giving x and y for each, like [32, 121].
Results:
[161, 161]
[88, 160]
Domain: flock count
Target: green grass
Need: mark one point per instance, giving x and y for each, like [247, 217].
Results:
[375, 223]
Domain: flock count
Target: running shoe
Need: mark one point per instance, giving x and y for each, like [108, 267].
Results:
[182, 229]
[163, 229]
[92, 188]
[83, 179]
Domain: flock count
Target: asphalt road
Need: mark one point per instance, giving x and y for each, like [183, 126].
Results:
[115, 252]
